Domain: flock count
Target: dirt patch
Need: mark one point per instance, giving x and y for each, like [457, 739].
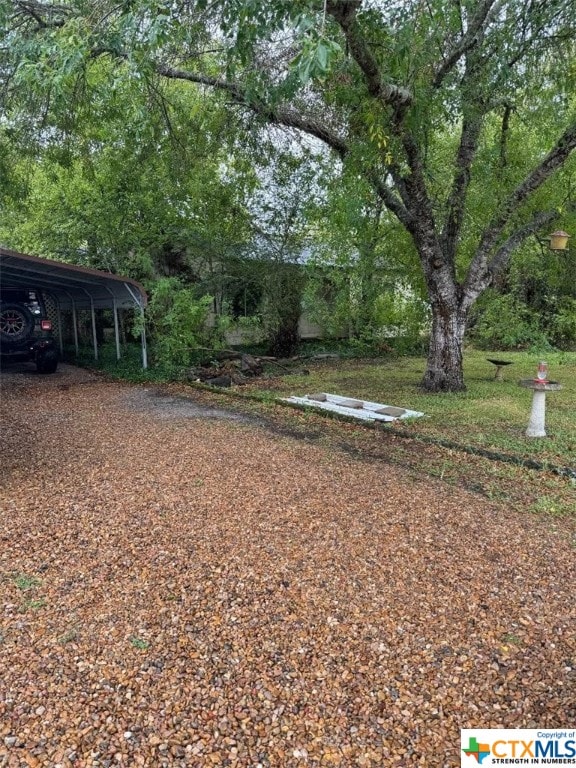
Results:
[164, 406]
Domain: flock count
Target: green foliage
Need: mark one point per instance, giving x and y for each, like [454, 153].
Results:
[364, 272]
[505, 323]
[403, 319]
[128, 368]
[139, 188]
[25, 582]
[442, 115]
[248, 328]
[326, 300]
[139, 643]
[178, 323]
[282, 306]
[317, 53]
[533, 305]
[563, 323]
[33, 605]
[372, 308]
[280, 203]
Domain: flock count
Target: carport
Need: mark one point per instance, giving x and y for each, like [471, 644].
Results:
[76, 288]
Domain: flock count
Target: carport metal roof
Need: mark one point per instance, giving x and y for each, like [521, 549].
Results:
[71, 285]
[75, 288]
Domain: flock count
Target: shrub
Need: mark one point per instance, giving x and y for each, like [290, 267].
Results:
[401, 319]
[503, 322]
[177, 320]
[563, 323]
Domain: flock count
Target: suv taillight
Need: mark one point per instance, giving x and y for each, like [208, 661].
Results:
[46, 325]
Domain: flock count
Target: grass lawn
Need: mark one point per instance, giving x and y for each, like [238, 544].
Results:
[490, 415]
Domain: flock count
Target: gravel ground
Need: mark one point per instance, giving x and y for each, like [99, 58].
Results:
[180, 587]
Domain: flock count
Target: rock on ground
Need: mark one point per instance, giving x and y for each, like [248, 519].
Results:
[197, 591]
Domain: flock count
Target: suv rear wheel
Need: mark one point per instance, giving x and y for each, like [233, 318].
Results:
[47, 362]
[16, 322]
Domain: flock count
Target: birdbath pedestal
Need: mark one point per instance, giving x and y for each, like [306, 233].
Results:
[499, 365]
[537, 423]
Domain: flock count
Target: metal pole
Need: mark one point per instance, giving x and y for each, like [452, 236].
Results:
[116, 328]
[60, 338]
[94, 334]
[143, 336]
[75, 328]
[140, 304]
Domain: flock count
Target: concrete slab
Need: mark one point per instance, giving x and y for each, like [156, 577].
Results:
[359, 409]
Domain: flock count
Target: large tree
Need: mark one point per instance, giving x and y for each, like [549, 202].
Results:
[374, 81]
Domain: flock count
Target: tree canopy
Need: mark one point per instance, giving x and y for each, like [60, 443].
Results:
[425, 101]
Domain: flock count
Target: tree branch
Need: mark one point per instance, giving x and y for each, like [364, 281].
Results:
[37, 10]
[481, 271]
[500, 258]
[486, 11]
[415, 204]
[482, 274]
[390, 200]
[553, 160]
[469, 138]
[277, 115]
[414, 209]
[344, 13]
[504, 135]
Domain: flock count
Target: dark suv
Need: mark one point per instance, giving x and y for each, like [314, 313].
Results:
[25, 330]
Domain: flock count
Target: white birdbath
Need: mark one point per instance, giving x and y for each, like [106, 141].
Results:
[537, 423]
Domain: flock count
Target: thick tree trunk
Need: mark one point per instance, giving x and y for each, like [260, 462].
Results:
[444, 371]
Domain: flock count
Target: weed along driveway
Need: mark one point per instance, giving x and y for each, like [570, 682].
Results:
[183, 586]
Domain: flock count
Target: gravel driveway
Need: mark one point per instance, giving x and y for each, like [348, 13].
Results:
[183, 587]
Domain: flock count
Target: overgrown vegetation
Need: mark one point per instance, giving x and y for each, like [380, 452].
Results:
[505, 323]
[532, 306]
[178, 321]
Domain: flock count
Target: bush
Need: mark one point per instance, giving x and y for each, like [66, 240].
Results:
[389, 318]
[503, 322]
[401, 319]
[563, 323]
[177, 321]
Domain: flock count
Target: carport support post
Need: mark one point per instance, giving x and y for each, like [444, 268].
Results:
[75, 328]
[116, 328]
[74, 322]
[139, 302]
[94, 334]
[144, 351]
[60, 337]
